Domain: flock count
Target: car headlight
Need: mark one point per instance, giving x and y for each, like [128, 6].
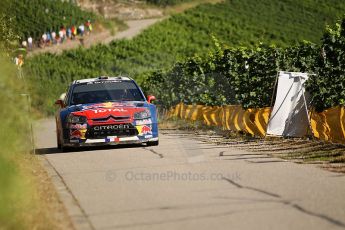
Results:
[142, 114]
[76, 119]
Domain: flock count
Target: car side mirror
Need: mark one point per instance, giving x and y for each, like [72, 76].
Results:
[150, 98]
[60, 103]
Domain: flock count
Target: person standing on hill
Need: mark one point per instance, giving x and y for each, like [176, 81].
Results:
[44, 39]
[88, 27]
[69, 33]
[19, 60]
[81, 29]
[30, 43]
[53, 34]
[24, 44]
[74, 32]
[49, 39]
[64, 32]
[61, 36]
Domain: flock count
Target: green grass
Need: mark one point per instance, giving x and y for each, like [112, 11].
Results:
[234, 23]
[13, 135]
[327, 156]
[28, 199]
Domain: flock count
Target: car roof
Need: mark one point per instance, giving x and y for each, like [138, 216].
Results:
[102, 78]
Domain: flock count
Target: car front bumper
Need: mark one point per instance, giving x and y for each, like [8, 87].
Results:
[110, 141]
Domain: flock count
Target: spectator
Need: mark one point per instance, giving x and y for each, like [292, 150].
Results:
[49, 39]
[81, 29]
[19, 60]
[53, 34]
[58, 39]
[44, 38]
[30, 43]
[42, 42]
[88, 27]
[24, 44]
[61, 36]
[69, 33]
[74, 32]
[64, 33]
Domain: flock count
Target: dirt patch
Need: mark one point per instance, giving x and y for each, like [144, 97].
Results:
[123, 10]
[48, 211]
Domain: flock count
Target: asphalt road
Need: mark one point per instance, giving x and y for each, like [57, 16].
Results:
[187, 184]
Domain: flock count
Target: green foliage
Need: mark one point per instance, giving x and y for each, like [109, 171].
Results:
[34, 17]
[327, 87]
[7, 33]
[234, 23]
[14, 131]
[236, 76]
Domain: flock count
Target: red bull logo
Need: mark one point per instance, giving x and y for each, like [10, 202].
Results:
[144, 129]
[78, 134]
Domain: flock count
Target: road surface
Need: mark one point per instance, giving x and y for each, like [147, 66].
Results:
[187, 184]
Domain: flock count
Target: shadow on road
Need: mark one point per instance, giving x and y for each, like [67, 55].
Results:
[54, 150]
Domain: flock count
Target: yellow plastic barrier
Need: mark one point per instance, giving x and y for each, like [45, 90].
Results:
[252, 121]
[175, 111]
[328, 125]
[212, 115]
[194, 112]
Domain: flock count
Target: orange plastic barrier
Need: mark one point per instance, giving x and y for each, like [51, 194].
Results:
[328, 125]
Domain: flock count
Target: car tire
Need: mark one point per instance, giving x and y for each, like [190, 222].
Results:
[58, 139]
[65, 149]
[58, 142]
[153, 143]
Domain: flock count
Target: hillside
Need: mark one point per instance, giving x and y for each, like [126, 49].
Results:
[233, 23]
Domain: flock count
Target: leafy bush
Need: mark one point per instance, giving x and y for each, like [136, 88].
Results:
[327, 86]
[250, 74]
[236, 76]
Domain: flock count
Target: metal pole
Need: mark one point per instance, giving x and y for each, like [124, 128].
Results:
[272, 98]
[306, 107]
[28, 98]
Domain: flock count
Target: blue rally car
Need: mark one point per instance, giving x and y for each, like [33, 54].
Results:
[105, 110]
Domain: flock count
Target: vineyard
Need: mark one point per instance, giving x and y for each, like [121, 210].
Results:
[34, 17]
[247, 76]
[234, 23]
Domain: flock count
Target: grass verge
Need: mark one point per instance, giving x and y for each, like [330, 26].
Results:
[27, 198]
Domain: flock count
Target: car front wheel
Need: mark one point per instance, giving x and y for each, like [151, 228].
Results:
[153, 143]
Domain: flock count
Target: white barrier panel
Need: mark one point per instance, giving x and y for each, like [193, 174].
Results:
[289, 116]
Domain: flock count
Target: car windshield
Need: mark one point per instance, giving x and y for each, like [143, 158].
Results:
[105, 91]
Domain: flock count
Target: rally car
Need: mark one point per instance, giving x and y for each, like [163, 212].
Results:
[105, 111]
